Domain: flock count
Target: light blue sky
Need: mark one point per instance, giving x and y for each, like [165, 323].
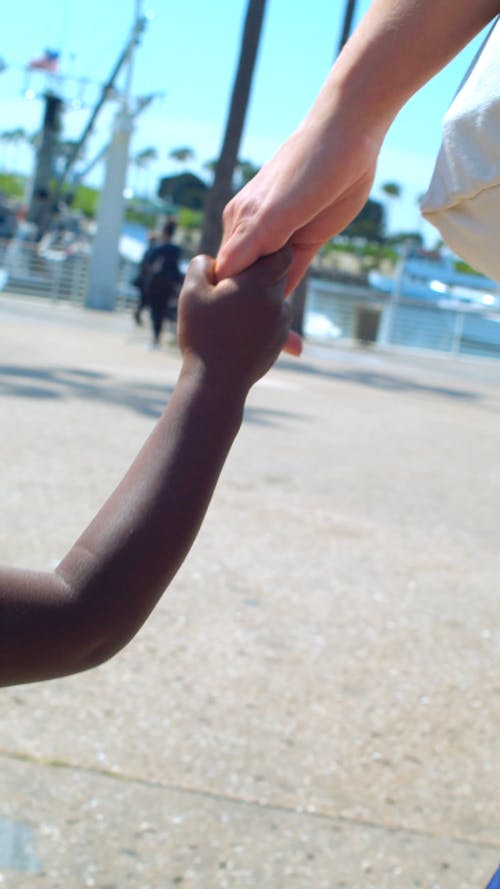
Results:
[189, 52]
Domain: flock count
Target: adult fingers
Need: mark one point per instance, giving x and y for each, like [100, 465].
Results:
[238, 253]
[245, 241]
[298, 267]
[293, 344]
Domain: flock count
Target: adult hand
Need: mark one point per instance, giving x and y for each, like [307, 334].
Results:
[321, 177]
[309, 191]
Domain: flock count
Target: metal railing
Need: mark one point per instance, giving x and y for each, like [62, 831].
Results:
[357, 314]
[454, 329]
[57, 274]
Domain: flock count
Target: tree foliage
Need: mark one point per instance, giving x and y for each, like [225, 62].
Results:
[184, 190]
[145, 157]
[182, 155]
[392, 189]
[369, 223]
[86, 200]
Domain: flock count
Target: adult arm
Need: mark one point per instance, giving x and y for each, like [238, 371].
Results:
[321, 177]
[52, 624]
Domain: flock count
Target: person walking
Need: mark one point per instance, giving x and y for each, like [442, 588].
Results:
[163, 278]
[140, 280]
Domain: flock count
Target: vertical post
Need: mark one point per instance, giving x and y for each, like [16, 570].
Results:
[347, 26]
[458, 332]
[40, 209]
[104, 263]
[221, 189]
[103, 272]
[298, 298]
[389, 315]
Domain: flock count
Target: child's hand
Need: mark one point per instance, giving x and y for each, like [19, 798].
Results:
[237, 327]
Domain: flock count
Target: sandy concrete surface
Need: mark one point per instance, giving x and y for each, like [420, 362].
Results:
[316, 701]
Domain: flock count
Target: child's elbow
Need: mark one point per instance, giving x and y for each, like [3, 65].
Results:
[94, 635]
[98, 643]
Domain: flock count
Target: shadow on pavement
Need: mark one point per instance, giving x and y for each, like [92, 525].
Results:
[147, 399]
[387, 382]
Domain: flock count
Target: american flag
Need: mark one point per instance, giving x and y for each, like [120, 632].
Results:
[48, 62]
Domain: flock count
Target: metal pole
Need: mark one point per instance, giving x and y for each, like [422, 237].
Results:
[107, 89]
[390, 311]
[458, 333]
[347, 26]
[104, 263]
[298, 298]
[130, 68]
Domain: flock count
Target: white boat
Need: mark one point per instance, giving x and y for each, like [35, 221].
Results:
[433, 276]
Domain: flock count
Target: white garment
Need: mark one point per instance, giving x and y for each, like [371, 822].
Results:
[463, 199]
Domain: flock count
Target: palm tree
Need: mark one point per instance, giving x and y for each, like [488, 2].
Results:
[210, 167]
[182, 155]
[243, 172]
[143, 159]
[392, 190]
[4, 138]
[14, 138]
[221, 189]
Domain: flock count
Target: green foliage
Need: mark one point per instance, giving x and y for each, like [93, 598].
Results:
[182, 155]
[16, 136]
[141, 216]
[406, 238]
[392, 189]
[380, 252]
[375, 252]
[464, 268]
[210, 167]
[145, 157]
[12, 185]
[184, 190]
[86, 199]
[369, 223]
[243, 172]
[189, 219]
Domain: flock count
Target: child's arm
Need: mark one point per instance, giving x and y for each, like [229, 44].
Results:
[110, 580]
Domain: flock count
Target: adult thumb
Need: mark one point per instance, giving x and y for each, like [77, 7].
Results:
[239, 250]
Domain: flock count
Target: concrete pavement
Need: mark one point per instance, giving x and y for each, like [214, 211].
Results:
[316, 701]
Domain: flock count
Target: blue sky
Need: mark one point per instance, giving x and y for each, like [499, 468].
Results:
[189, 53]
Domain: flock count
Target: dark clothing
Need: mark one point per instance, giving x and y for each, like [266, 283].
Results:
[162, 287]
[141, 280]
[163, 260]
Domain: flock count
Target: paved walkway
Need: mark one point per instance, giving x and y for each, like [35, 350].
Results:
[316, 702]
